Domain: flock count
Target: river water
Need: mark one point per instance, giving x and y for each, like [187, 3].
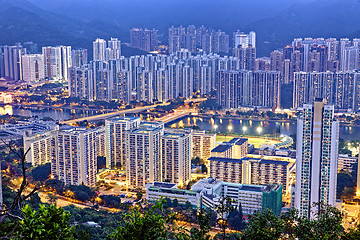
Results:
[55, 114]
[220, 125]
[255, 127]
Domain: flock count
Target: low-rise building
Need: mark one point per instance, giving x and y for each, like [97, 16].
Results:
[249, 170]
[346, 163]
[157, 190]
[235, 148]
[251, 198]
[206, 193]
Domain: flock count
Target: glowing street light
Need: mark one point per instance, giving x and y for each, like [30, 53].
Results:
[215, 127]
[230, 128]
[244, 128]
[259, 130]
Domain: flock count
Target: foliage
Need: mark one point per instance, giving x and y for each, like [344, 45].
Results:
[42, 172]
[46, 223]
[209, 104]
[81, 192]
[152, 224]
[223, 209]
[263, 225]
[344, 180]
[203, 219]
[111, 201]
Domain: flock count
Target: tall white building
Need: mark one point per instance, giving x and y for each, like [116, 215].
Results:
[176, 157]
[244, 40]
[201, 144]
[76, 161]
[143, 154]
[42, 148]
[57, 61]
[13, 62]
[116, 129]
[99, 48]
[33, 68]
[114, 46]
[316, 157]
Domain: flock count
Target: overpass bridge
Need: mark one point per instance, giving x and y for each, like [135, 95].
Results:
[132, 110]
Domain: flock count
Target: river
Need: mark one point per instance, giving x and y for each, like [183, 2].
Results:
[55, 114]
[255, 127]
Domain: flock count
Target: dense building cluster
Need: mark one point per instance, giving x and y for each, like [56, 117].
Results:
[144, 39]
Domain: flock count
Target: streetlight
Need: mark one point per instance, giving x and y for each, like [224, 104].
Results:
[215, 127]
[244, 128]
[259, 130]
[229, 128]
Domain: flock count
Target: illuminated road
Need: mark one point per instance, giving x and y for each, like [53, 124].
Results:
[133, 110]
[111, 114]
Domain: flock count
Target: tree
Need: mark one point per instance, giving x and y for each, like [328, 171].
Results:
[150, 225]
[353, 234]
[46, 223]
[236, 220]
[263, 225]
[222, 209]
[325, 224]
[344, 179]
[41, 173]
[52, 198]
[139, 195]
[203, 219]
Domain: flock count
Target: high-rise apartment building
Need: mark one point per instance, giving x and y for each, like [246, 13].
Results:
[201, 144]
[76, 161]
[113, 50]
[316, 157]
[340, 89]
[57, 61]
[42, 148]
[176, 157]
[248, 88]
[33, 68]
[79, 57]
[243, 40]
[144, 39]
[79, 82]
[13, 62]
[99, 48]
[116, 129]
[143, 154]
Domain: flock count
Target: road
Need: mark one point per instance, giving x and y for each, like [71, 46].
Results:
[111, 114]
[133, 110]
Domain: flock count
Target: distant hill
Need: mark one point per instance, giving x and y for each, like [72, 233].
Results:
[330, 18]
[78, 23]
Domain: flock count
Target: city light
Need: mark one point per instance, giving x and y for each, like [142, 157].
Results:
[259, 129]
[215, 127]
[244, 128]
[230, 128]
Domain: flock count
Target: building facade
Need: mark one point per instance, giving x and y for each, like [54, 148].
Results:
[316, 157]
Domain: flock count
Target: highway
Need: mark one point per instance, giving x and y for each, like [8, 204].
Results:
[132, 110]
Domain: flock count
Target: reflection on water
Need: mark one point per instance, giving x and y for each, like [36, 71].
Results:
[6, 110]
[253, 127]
[56, 114]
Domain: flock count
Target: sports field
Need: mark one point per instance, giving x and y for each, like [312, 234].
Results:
[256, 141]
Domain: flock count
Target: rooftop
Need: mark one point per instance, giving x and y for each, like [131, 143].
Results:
[219, 159]
[221, 148]
[238, 141]
[164, 185]
[123, 119]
